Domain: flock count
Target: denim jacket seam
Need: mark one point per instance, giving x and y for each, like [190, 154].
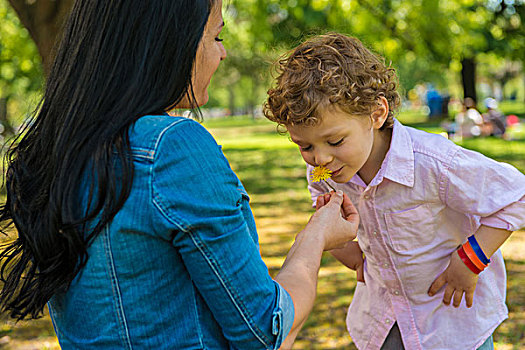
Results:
[121, 317]
[234, 296]
[198, 324]
[184, 227]
[164, 212]
[53, 318]
[157, 140]
[147, 149]
[143, 153]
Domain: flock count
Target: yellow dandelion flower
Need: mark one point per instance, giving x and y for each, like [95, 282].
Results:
[320, 173]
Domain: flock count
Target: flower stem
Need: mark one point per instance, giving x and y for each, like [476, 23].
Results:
[332, 187]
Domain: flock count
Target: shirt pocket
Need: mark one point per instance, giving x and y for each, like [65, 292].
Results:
[411, 229]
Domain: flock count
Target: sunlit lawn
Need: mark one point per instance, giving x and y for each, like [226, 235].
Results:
[274, 175]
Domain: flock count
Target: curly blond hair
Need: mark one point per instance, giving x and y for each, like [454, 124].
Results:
[330, 69]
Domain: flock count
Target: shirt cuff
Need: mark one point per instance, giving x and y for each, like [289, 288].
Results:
[510, 218]
[283, 316]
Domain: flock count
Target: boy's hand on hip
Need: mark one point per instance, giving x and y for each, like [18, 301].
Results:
[458, 280]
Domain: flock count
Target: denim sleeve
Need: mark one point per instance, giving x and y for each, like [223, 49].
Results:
[195, 190]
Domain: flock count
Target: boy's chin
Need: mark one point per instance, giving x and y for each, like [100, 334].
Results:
[342, 178]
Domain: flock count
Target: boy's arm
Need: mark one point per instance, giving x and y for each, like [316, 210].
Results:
[351, 254]
[495, 192]
[352, 257]
[458, 278]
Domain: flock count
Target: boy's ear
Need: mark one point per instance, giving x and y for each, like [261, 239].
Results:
[380, 114]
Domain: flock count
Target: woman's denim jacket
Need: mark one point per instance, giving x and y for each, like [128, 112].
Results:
[179, 266]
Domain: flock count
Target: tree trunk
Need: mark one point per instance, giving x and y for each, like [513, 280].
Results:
[8, 129]
[44, 20]
[468, 77]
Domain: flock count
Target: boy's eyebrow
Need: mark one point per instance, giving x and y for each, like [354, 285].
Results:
[331, 132]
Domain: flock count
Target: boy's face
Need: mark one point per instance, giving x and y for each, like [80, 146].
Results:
[341, 142]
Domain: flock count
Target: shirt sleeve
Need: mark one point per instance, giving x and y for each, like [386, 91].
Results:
[480, 186]
[195, 189]
[509, 218]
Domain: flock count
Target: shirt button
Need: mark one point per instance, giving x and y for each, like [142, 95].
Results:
[366, 196]
[396, 292]
[375, 233]
[386, 265]
[387, 321]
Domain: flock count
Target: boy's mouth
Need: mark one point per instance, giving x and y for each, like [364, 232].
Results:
[335, 173]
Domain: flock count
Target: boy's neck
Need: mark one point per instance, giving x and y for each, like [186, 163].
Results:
[380, 148]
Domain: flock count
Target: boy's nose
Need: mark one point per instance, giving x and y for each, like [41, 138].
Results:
[322, 158]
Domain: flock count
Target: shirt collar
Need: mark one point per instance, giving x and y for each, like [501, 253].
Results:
[398, 165]
[399, 161]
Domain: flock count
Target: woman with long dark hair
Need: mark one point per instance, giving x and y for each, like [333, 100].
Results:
[131, 225]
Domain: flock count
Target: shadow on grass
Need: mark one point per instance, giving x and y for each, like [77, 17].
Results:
[268, 171]
[512, 331]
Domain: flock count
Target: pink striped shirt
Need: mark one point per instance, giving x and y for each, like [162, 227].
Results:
[426, 199]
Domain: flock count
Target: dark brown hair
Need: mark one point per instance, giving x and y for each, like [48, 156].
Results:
[330, 69]
[118, 61]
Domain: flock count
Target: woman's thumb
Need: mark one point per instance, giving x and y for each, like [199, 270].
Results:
[336, 198]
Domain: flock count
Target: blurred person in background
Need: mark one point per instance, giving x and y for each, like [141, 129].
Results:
[494, 120]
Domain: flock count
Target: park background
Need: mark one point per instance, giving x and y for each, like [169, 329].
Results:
[449, 48]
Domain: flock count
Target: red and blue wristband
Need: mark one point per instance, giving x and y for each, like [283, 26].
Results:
[477, 249]
[467, 261]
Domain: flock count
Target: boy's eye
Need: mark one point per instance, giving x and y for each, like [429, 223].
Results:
[305, 149]
[218, 39]
[336, 143]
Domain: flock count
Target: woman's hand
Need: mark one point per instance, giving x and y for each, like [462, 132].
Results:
[336, 219]
[459, 280]
[332, 226]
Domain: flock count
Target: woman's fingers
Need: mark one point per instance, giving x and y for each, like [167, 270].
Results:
[319, 202]
[327, 196]
[322, 200]
[360, 274]
[349, 210]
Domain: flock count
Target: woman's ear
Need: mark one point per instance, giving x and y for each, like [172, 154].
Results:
[380, 114]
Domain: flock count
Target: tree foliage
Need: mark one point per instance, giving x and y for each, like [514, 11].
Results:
[20, 65]
[422, 38]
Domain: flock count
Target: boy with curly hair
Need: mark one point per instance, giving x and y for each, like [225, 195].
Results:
[432, 213]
